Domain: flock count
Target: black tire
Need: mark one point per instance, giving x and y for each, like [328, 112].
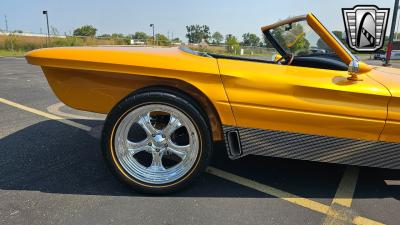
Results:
[166, 97]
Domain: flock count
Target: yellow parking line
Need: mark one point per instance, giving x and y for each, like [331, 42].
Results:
[44, 114]
[316, 206]
[307, 203]
[392, 182]
[344, 195]
[347, 186]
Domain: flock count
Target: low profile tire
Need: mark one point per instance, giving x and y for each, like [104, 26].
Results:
[156, 141]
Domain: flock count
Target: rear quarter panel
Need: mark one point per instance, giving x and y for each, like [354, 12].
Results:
[96, 79]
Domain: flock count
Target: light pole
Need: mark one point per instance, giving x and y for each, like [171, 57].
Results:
[154, 37]
[390, 44]
[48, 30]
[5, 18]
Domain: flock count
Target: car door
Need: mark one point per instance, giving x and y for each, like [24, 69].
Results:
[304, 100]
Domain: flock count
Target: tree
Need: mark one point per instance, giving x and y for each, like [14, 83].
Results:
[338, 34]
[87, 30]
[118, 36]
[105, 36]
[197, 33]
[232, 44]
[176, 40]
[294, 38]
[162, 40]
[140, 36]
[277, 34]
[54, 31]
[217, 38]
[322, 45]
[250, 39]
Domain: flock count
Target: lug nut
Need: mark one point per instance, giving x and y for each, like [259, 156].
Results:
[149, 143]
[157, 150]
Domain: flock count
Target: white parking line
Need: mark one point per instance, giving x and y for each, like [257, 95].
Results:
[55, 109]
[44, 114]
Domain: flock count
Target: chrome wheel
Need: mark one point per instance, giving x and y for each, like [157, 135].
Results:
[156, 144]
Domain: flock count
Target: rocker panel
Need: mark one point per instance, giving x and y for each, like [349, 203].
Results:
[316, 148]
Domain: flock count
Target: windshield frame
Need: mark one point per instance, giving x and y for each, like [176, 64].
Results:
[327, 36]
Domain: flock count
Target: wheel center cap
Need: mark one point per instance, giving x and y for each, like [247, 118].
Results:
[158, 138]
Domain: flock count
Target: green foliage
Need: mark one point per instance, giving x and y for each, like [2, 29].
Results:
[69, 41]
[232, 44]
[322, 45]
[338, 34]
[295, 38]
[162, 40]
[140, 36]
[13, 43]
[197, 33]
[117, 39]
[250, 39]
[87, 31]
[105, 36]
[116, 35]
[7, 53]
[292, 39]
[10, 42]
[120, 39]
[176, 40]
[217, 38]
[277, 34]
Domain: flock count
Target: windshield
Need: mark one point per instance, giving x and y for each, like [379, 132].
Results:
[299, 39]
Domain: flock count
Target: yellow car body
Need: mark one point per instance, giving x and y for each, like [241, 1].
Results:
[236, 93]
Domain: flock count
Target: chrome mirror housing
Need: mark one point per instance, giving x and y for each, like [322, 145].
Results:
[353, 69]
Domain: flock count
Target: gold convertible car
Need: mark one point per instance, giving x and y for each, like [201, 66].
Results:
[312, 100]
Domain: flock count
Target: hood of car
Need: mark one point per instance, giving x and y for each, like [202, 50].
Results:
[389, 77]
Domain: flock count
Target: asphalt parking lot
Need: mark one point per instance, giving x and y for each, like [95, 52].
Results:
[52, 172]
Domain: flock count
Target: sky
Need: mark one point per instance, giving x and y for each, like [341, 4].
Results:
[170, 17]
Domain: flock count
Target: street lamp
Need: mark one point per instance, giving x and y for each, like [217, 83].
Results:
[154, 37]
[48, 30]
[5, 18]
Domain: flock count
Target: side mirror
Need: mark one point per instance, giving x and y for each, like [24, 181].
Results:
[353, 70]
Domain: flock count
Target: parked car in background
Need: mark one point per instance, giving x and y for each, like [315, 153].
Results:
[395, 55]
[378, 55]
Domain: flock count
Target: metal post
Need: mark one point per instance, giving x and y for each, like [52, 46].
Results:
[154, 37]
[397, 30]
[5, 17]
[390, 44]
[48, 29]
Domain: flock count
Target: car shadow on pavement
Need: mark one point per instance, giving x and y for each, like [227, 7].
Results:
[52, 157]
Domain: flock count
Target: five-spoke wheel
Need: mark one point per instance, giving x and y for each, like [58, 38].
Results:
[156, 144]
